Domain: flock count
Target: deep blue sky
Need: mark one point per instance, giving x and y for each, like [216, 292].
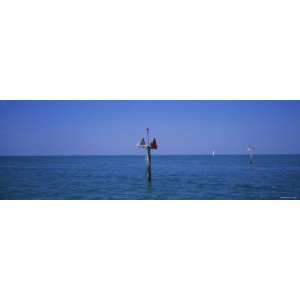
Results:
[181, 127]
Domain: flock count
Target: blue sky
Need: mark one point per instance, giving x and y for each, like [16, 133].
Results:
[181, 127]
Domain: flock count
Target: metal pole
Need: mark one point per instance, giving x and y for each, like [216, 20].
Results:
[148, 147]
[148, 158]
[147, 129]
[148, 165]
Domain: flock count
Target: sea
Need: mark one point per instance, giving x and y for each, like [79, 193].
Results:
[173, 177]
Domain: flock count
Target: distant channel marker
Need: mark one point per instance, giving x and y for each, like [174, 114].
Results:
[148, 147]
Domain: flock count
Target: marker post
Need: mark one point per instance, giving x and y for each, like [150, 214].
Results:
[148, 147]
[251, 150]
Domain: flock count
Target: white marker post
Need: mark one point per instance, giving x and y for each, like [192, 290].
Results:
[148, 147]
[251, 150]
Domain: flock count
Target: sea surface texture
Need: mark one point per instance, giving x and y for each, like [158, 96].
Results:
[174, 177]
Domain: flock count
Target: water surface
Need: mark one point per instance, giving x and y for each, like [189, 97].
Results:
[174, 177]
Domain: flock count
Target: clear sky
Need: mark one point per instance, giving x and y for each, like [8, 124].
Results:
[181, 127]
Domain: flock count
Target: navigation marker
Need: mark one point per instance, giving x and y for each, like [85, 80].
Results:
[148, 147]
[251, 150]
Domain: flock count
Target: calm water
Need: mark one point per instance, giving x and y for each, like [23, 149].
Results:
[174, 177]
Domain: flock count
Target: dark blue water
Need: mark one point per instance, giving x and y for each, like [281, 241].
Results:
[174, 177]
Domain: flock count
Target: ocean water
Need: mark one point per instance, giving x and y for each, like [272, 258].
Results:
[174, 177]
